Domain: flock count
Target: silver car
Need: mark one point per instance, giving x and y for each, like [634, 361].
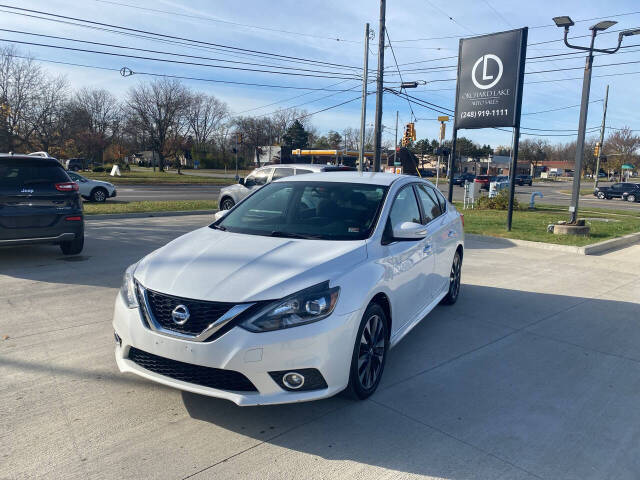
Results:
[94, 190]
[233, 194]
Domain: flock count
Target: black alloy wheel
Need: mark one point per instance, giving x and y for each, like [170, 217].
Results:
[227, 204]
[454, 280]
[370, 353]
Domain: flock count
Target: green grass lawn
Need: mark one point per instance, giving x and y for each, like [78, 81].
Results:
[148, 176]
[583, 191]
[532, 225]
[149, 206]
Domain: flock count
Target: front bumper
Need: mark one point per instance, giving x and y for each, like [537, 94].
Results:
[114, 193]
[326, 345]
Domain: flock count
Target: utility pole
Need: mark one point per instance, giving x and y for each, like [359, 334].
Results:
[604, 118]
[237, 177]
[379, 85]
[363, 112]
[395, 145]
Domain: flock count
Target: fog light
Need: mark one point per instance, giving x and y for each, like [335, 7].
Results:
[117, 339]
[293, 380]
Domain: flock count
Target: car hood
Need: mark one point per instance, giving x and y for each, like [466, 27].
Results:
[213, 265]
[236, 187]
[100, 182]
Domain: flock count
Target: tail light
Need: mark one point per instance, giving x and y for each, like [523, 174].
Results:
[462, 219]
[67, 187]
[77, 218]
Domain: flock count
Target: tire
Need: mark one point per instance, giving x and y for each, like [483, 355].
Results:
[454, 281]
[227, 203]
[99, 195]
[369, 353]
[631, 197]
[73, 247]
[601, 195]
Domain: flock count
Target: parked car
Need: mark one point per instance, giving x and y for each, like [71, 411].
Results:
[94, 190]
[524, 180]
[462, 178]
[39, 204]
[617, 190]
[233, 194]
[426, 172]
[76, 164]
[484, 181]
[296, 293]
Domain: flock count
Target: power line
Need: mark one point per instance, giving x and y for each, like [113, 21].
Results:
[559, 108]
[225, 67]
[217, 20]
[333, 106]
[158, 51]
[209, 80]
[547, 25]
[173, 37]
[400, 74]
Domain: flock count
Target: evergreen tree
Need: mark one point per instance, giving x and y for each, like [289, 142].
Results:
[296, 136]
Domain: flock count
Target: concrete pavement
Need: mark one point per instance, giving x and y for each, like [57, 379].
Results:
[534, 373]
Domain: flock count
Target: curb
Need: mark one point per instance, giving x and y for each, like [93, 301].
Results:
[594, 249]
[116, 216]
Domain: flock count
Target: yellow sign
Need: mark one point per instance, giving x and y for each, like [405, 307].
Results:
[443, 118]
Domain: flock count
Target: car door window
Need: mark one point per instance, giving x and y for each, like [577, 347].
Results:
[616, 186]
[430, 205]
[262, 176]
[73, 176]
[405, 208]
[281, 173]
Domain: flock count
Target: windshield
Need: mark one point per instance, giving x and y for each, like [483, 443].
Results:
[317, 210]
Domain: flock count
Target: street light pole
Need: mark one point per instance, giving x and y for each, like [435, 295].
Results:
[604, 119]
[566, 22]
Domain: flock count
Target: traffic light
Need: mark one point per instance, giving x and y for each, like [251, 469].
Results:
[411, 131]
[596, 151]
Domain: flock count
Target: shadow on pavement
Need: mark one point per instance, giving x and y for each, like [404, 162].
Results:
[477, 390]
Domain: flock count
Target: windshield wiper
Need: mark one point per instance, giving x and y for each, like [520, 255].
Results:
[293, 235]
[219, 227]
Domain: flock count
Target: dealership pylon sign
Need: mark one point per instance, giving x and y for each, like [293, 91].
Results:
[490, 77]
[489, 90]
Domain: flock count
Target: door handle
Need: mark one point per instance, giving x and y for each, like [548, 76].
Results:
[428, 249]
[452, 234]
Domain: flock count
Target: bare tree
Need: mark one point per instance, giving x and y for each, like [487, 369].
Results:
[20, 82]
[158, 109]
[48, 112]
[205, 116]
[625, 145]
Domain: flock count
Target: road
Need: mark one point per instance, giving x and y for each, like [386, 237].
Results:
[136, 193]
[552, 195]
[534, 373]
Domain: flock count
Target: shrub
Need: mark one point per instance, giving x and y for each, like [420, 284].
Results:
[499, 202]
[98, 169]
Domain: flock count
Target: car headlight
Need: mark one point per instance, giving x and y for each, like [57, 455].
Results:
[306, 306]
[128, 288]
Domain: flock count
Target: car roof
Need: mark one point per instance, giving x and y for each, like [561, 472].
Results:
[316, 167]
[32, 158]
[370, 178]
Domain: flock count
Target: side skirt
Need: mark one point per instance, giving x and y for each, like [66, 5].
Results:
[399, 335]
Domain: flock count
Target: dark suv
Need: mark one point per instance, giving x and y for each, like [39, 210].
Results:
[463, 178]
[524, 180]
[39, 204]
[617, 190]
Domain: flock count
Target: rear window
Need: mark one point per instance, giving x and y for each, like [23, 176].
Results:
[24, 172]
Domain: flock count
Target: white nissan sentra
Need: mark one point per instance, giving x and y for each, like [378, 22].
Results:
[296, 293]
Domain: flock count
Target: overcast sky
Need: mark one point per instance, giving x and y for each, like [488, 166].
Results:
[309, 29]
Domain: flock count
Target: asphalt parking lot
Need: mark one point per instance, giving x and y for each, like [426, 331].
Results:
[534, 373]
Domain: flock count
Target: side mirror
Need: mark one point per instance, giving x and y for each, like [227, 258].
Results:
[219, 214]
[409, 231]
[241, 180]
